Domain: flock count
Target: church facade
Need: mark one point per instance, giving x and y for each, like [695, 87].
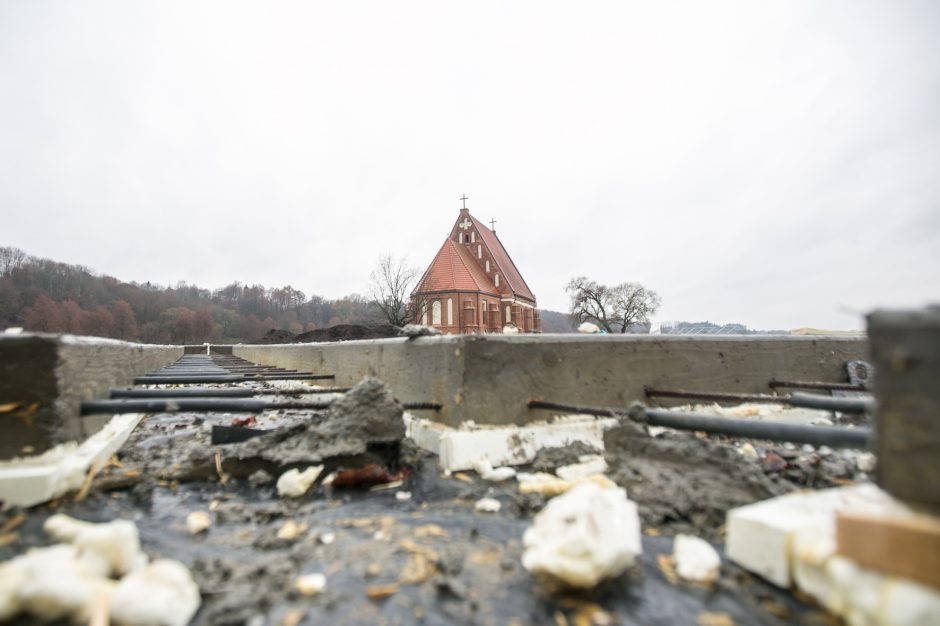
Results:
[473, 286]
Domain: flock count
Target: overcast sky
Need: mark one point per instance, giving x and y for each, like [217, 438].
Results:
[770, 163]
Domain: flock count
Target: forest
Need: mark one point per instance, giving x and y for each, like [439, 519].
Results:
[48, 296]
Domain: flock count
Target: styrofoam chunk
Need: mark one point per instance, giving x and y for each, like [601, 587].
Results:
[695, 558]
[487, 505]
[294, 483]
[110, 548]
[584, 536]
[587, 466]
[160, 594]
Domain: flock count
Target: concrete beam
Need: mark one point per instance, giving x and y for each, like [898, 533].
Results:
[44, 379]
[490, 378]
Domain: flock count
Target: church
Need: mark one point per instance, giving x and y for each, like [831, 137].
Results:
[472, 285]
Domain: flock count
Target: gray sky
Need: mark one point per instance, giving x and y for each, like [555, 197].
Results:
[770, 163]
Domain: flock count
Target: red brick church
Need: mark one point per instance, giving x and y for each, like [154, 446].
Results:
[472, 285]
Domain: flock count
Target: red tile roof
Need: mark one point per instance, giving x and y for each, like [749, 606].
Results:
[453, 268]
[509, 271]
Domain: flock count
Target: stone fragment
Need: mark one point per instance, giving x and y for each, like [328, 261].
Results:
[584, 536]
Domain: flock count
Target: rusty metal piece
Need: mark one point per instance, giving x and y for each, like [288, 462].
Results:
[715, 396]
[815, 384]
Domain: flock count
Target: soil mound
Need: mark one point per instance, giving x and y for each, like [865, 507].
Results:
[275, 336]
[346, 332]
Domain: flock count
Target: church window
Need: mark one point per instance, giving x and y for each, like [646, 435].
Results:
[487, 266]
[436, 313]
[424, 315]
[508, 319]
[479, 251]
[497, 280]
[450, 311]
[473, 237]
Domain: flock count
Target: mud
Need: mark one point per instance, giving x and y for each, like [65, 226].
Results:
[547, 459]
[682, 482]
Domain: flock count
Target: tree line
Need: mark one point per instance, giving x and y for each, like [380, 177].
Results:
[49, 296]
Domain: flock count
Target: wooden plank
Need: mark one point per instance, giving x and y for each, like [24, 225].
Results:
[905, 546]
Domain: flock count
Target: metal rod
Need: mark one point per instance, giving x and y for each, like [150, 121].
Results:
[211, 405]
[812, 384]
[220, 392]
[168, 380]
[716, 396]
[234, 434]
[828, 403]
[774, 431]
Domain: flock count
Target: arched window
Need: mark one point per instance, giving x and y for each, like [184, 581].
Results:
[473, 237]
[487, 266]
[424, 315]
[450, 311]
[436, 313]
[508, 318]
[479, 251]
[497, 280]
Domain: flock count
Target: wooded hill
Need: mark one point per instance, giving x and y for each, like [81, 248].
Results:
[49, 296]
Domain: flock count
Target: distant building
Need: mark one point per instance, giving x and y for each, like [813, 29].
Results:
[473, 286]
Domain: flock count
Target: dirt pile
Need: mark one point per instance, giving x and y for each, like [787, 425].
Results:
[340, 332]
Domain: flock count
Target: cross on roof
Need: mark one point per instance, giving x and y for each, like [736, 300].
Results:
[464, 199]
[493, 225]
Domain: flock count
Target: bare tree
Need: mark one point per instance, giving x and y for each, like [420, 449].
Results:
[614, 308]
[392, 282]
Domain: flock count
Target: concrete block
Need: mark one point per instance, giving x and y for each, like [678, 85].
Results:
[46, 377]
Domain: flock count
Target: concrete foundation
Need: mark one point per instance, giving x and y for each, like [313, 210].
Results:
[490, 378]
[44, 379]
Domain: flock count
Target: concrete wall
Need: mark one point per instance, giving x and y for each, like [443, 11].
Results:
[490, 378]
[48, 376]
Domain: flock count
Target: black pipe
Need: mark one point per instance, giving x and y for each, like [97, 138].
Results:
[840, 437]
[220, 392]
[828, 403]
[715, 396]
[152, 379]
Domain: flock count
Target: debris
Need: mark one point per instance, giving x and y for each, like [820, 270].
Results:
[327, 538]
[379, 592]
[413, 331]
[588, 465]
[549, 485]
[429, 530]
[112, 548]
[487, 505]
[584, 536]
[373, 570]
[487, 472]
[366, 476]
[310, 584]
[588, 328]
[865, 462]
[293, 483]
[70, 579]
[667, 566]
[259, 478]
[706, 618]
[197, 522]
[773, 462]
[160, 594]
[696, 560]
[245, 422]
[402, 496]
[747, 451]
[366, 414]
[509, 329]
[290, 530]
